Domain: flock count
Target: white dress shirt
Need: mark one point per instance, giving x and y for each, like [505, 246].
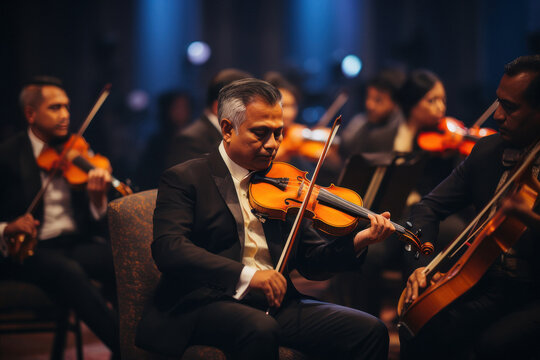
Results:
[256, 255]
[58, 216]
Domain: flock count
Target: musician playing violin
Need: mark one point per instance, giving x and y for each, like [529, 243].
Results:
[68, 224]
[499, 317]
[217, 258]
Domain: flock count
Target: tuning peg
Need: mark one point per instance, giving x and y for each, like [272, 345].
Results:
[418, 233]
[408, 225]
[416, 255]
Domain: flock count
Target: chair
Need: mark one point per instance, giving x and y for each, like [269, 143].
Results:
[130, 225]
[26, 308]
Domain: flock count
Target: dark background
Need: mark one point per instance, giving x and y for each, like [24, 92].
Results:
[140, 46]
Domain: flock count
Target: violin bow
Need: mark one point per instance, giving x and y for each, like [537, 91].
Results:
[458, 243]
[97, 105]
[296, 225]
[340, 100]
[489, 111]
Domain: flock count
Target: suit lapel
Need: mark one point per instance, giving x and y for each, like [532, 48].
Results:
[225, 185]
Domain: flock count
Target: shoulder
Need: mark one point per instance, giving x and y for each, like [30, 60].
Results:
[197, 127]
[17, 140]
[14, 146]
[487, 146]
[190, 169]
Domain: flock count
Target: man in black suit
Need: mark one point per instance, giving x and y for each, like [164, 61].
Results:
[499, 317]
[67, 256]
[204, 134]
[217, 258]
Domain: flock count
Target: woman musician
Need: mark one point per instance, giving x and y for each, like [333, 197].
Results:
[499, 317]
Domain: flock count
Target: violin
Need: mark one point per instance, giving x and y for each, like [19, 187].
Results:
[493, 237]
[309, 143]
[300, 140]
[281, 189]
[77, 162]
[452, 135]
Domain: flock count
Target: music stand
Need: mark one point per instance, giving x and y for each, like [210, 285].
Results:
[385, 178]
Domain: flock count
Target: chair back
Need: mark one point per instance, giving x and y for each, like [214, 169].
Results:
[130, 227]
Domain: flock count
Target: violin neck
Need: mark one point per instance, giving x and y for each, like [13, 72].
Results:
[471, 137]
[86, 166]
[350, 208]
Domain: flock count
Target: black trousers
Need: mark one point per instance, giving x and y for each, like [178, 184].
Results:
[496, 319]
[313, 327]
[64, 267]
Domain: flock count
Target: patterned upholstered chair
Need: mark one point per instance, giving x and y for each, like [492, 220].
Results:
[130, 226]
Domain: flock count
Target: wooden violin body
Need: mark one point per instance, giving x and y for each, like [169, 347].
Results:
[301, 140]
[452, 135]
[77, 162]
[334, 210]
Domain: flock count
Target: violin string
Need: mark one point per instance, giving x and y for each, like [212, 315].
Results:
[351, 207]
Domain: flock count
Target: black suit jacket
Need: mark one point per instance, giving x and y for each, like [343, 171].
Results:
[198, 245]
[21, 181]
[199, 138]
[473, 182]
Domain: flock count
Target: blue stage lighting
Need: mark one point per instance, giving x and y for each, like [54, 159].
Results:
[198, 52]
[351, 66]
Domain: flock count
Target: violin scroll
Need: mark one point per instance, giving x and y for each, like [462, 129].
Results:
[425, 248]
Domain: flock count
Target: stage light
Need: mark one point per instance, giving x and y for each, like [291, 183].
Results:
[138, 100]
[351, 66]
[312, 114]
[198, 52]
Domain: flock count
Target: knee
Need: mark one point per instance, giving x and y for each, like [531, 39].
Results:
[265, 330]
[376, 329]
[380, 332]
[67, 270]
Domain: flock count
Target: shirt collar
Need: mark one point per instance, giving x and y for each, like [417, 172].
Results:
[237, 172]
[37, 143]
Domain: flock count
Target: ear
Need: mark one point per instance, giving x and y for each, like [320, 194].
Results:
[227, 129]
[214, 107]
[29, 114]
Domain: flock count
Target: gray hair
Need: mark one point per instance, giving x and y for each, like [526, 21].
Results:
[31, 94]
[234, 98]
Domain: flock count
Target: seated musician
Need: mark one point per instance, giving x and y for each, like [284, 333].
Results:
[66, 257]
[217, 258]
[499, 317]
[290, 97]
[375, 130]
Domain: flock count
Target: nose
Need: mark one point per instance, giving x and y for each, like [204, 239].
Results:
[272, 142]
[64, 112]
[499, 114]
[441, 107]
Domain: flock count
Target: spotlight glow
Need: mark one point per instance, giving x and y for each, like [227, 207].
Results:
[351, 66]
[198, 52]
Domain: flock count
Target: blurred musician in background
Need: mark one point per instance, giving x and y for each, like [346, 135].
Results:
[69, 224]
[204, 134]
[174, 114]
[374, 131]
